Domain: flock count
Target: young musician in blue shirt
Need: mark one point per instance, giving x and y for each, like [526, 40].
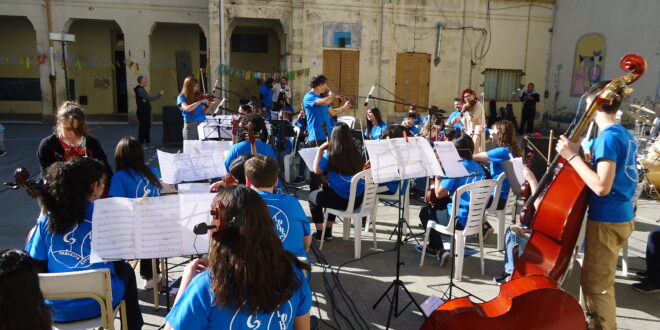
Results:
[193, 112]
[266, 94]
[341, 161]
[612, 179]
[250, 280]
[244, 147]
[62, 239]
[134, 179]
[375, 124]
[318, 111]
[289, 218]
[446, 188]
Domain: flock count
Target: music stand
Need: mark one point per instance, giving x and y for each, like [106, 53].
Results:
[387, 164]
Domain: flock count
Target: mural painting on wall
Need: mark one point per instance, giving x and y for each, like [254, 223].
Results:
[589, 60]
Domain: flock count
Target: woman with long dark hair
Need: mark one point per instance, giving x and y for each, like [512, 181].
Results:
[70, 139]
[341, 161]
[134, 179]
[21, 301]
[250, 281]
[375, 124]
[62, 240]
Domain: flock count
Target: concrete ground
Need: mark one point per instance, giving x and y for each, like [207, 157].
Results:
[362, 281]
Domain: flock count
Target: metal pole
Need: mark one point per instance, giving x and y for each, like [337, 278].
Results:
[66, 75]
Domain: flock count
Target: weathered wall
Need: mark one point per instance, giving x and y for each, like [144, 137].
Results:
[391, 27]
[626, 29]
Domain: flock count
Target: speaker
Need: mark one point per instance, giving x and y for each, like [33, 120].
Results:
[539, 165]
[172, 125]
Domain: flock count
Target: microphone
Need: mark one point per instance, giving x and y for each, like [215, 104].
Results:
[202, 228]
[371, 91]
[215, 86]
[220, 107]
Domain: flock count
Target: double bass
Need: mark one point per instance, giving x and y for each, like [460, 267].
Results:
[532, 299]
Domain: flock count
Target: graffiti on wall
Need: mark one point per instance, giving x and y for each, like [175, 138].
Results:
[588, 65]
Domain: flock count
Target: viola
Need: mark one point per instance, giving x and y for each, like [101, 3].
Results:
[532, 300]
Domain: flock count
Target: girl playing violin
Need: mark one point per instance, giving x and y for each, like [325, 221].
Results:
[194, 108]
[341, 160]
[434, 129]
[249, 279]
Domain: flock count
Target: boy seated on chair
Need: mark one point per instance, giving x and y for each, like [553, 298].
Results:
[289, 218]
[465, 147]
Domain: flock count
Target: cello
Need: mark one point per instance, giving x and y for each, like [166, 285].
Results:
[532, 299]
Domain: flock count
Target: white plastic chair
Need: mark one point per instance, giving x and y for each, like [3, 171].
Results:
[392, 198]
[348, 120]
[93, 283]
[479, 195]
[351, 213]
[501, 214]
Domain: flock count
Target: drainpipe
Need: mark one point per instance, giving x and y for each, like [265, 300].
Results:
[222, 44]
[52, 76]
[460, 63]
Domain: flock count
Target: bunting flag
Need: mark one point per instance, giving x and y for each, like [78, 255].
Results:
[223, 69]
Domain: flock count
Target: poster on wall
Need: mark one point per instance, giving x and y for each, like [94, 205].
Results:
[588, 63]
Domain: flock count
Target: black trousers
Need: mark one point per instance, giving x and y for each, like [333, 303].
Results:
[315, 179]
[319, 199]
[144, 126]
[127, 275]
[145, 268]
[429, 213]
[653, 256]
[527, 118]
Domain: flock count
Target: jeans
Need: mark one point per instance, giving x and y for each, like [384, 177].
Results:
[511, 239]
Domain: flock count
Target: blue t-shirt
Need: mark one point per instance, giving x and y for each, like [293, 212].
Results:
[616, 144]
[453, 184]
[266, 96]
[196, 309]
[341, 184]
[244, 147]
[376, 131]
[316, 114]
[196, 115]
[413, 130]
[497, 156]
[392, 186]
[67, 253]
[453, 115]
[290, 221]
[131, 184]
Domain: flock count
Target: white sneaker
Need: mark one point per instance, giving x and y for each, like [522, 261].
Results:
[149, 284]
[444, 258]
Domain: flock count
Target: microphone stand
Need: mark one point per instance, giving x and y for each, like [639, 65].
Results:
[392, 101]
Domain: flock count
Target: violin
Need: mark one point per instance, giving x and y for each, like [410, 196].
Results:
[22, 180]
[430, 197]
[532, 300]
[204, 95]
[251, 138]
[228, 181]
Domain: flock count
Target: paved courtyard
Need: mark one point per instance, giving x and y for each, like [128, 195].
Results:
[351, 286]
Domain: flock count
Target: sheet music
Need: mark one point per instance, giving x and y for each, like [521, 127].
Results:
[308, 155]
[158, 227]
[398, 159]
[194, 188]
[194, 208]
[450, 160]
[175, 168]
[213, 147]
[518, 169]
[112, 229]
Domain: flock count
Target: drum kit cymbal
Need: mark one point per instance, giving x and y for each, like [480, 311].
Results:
[641, 117]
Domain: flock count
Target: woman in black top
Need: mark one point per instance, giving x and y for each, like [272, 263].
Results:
[70, 139]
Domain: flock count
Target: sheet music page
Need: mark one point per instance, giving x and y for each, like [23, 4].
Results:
[518, 169]
[213, 147]
[416, 158]
[168, 172]
[384, 166]
[194, 188]
[450, 160]
[308, 155]
[113, 235]
[193, 209]
[430, 161]
[157, 233]
[190, 166]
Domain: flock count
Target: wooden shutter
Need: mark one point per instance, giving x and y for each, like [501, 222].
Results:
[342, 69]
[412, 79]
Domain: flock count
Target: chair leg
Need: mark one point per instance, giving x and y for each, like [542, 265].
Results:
[426, 241]
[325, 222]
[347, 228]
[373, 230]
[501, 219]
[154, 277]
[459, 255]
[122, 311]
[624, 260]
[481, 247]
[358, 237]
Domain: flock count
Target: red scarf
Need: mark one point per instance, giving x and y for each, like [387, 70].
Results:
[74, 150]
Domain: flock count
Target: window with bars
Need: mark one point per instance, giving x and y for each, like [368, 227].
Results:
[501, 84]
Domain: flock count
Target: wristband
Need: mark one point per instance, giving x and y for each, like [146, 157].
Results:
[571, 158]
